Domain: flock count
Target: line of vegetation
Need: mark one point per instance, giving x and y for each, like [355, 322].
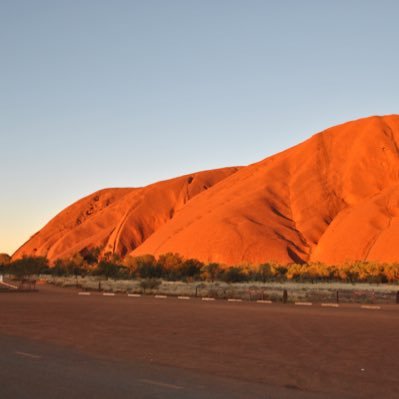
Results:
[173, 267]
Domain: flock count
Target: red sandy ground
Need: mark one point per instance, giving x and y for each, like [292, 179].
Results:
[334, 353]
[332, 198]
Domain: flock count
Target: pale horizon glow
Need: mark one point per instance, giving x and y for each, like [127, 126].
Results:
[100, 94]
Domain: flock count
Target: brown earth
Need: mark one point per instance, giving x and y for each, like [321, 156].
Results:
[315, 352]
[332, 198]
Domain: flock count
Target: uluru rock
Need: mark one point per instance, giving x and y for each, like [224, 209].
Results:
[333, 198]
[118, 219]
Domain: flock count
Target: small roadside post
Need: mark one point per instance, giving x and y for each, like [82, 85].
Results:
[285, 296]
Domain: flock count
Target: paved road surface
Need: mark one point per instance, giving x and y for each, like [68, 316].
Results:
[56, 344]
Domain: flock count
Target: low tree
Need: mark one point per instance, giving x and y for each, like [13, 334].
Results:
[139, 266]
[294, 272]
[211, 271]
[145, 267]
[91, 255]
[190, 269]
[391, 272]
[234, 274]
[110, 270]
[265, 272]
[281, 272]
[112, 257]
[170, 260]
[169, 264]
[59, 268]
[28, 266]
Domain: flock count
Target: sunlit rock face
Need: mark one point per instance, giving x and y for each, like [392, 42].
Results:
[333, 198]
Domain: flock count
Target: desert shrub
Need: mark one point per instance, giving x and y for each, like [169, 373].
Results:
[280, 273]
[294, 272]
[74, 266]
[234, 274]
[264, 272]
[111, 270]
[332, 273]
[150, 270]
[123, 273]
[150, 284]
[391, 272]
[5, 260]
[59, 268]
[211, 272]
[91, 255]
[144, 266]
[192, 269]
[376, 273]
[189, 269]
[111, 257]
[311, 272]
[28, 266]
[170, 260]
[351, 272]
[171, 266]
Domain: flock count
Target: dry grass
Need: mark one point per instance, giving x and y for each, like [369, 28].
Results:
[318, 292]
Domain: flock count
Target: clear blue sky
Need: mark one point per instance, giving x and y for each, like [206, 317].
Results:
[98, 94]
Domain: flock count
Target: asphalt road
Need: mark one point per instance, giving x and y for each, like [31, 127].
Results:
[57, 344]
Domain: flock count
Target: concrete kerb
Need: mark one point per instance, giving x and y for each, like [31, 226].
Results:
[8, 285]
[371, 307]
[209, 299]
